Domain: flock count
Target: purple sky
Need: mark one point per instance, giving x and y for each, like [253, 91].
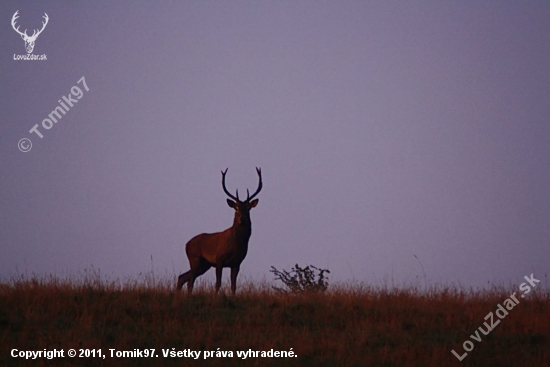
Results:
[383, 129]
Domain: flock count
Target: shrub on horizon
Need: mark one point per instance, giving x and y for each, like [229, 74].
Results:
[301, 280]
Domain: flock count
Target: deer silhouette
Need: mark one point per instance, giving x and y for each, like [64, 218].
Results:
[225, 249]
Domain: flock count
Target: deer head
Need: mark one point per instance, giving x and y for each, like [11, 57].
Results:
[242, 208]
[29, 40]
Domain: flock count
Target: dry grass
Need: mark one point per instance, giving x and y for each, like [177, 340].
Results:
[346, 326]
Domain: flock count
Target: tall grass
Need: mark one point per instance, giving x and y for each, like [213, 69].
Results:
[348, 325]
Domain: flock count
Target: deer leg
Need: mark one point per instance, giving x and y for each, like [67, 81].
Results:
[194, 275]
[191, 282]
[182, 279]
[219, 269]
[198, 268]
[190, 285]
[234, 273]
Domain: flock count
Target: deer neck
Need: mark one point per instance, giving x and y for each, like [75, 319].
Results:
[242, 228]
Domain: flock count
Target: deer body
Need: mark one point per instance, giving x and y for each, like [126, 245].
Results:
[225, 249]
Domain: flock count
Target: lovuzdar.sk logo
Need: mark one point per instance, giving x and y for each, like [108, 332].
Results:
[29, 40]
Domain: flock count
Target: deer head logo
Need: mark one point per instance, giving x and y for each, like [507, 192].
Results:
[29, 40]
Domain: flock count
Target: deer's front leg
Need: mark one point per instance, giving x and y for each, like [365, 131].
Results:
[219, 269]
[234, 273]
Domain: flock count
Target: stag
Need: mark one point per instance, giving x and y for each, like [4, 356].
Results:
[29, 41]
[225, 249]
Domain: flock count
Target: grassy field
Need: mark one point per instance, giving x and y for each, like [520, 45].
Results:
[345, 326]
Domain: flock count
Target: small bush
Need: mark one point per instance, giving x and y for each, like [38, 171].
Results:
[300, 280]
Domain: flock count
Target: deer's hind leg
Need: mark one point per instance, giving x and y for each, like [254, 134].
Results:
[200, 267]
[182, 279]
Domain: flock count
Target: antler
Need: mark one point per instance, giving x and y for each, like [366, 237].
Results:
[13, 19]
[35, 34]
[46, 18]
[225, 189]
[248, 198]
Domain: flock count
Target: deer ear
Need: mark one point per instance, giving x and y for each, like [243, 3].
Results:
[231, 203]
[253, 203]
